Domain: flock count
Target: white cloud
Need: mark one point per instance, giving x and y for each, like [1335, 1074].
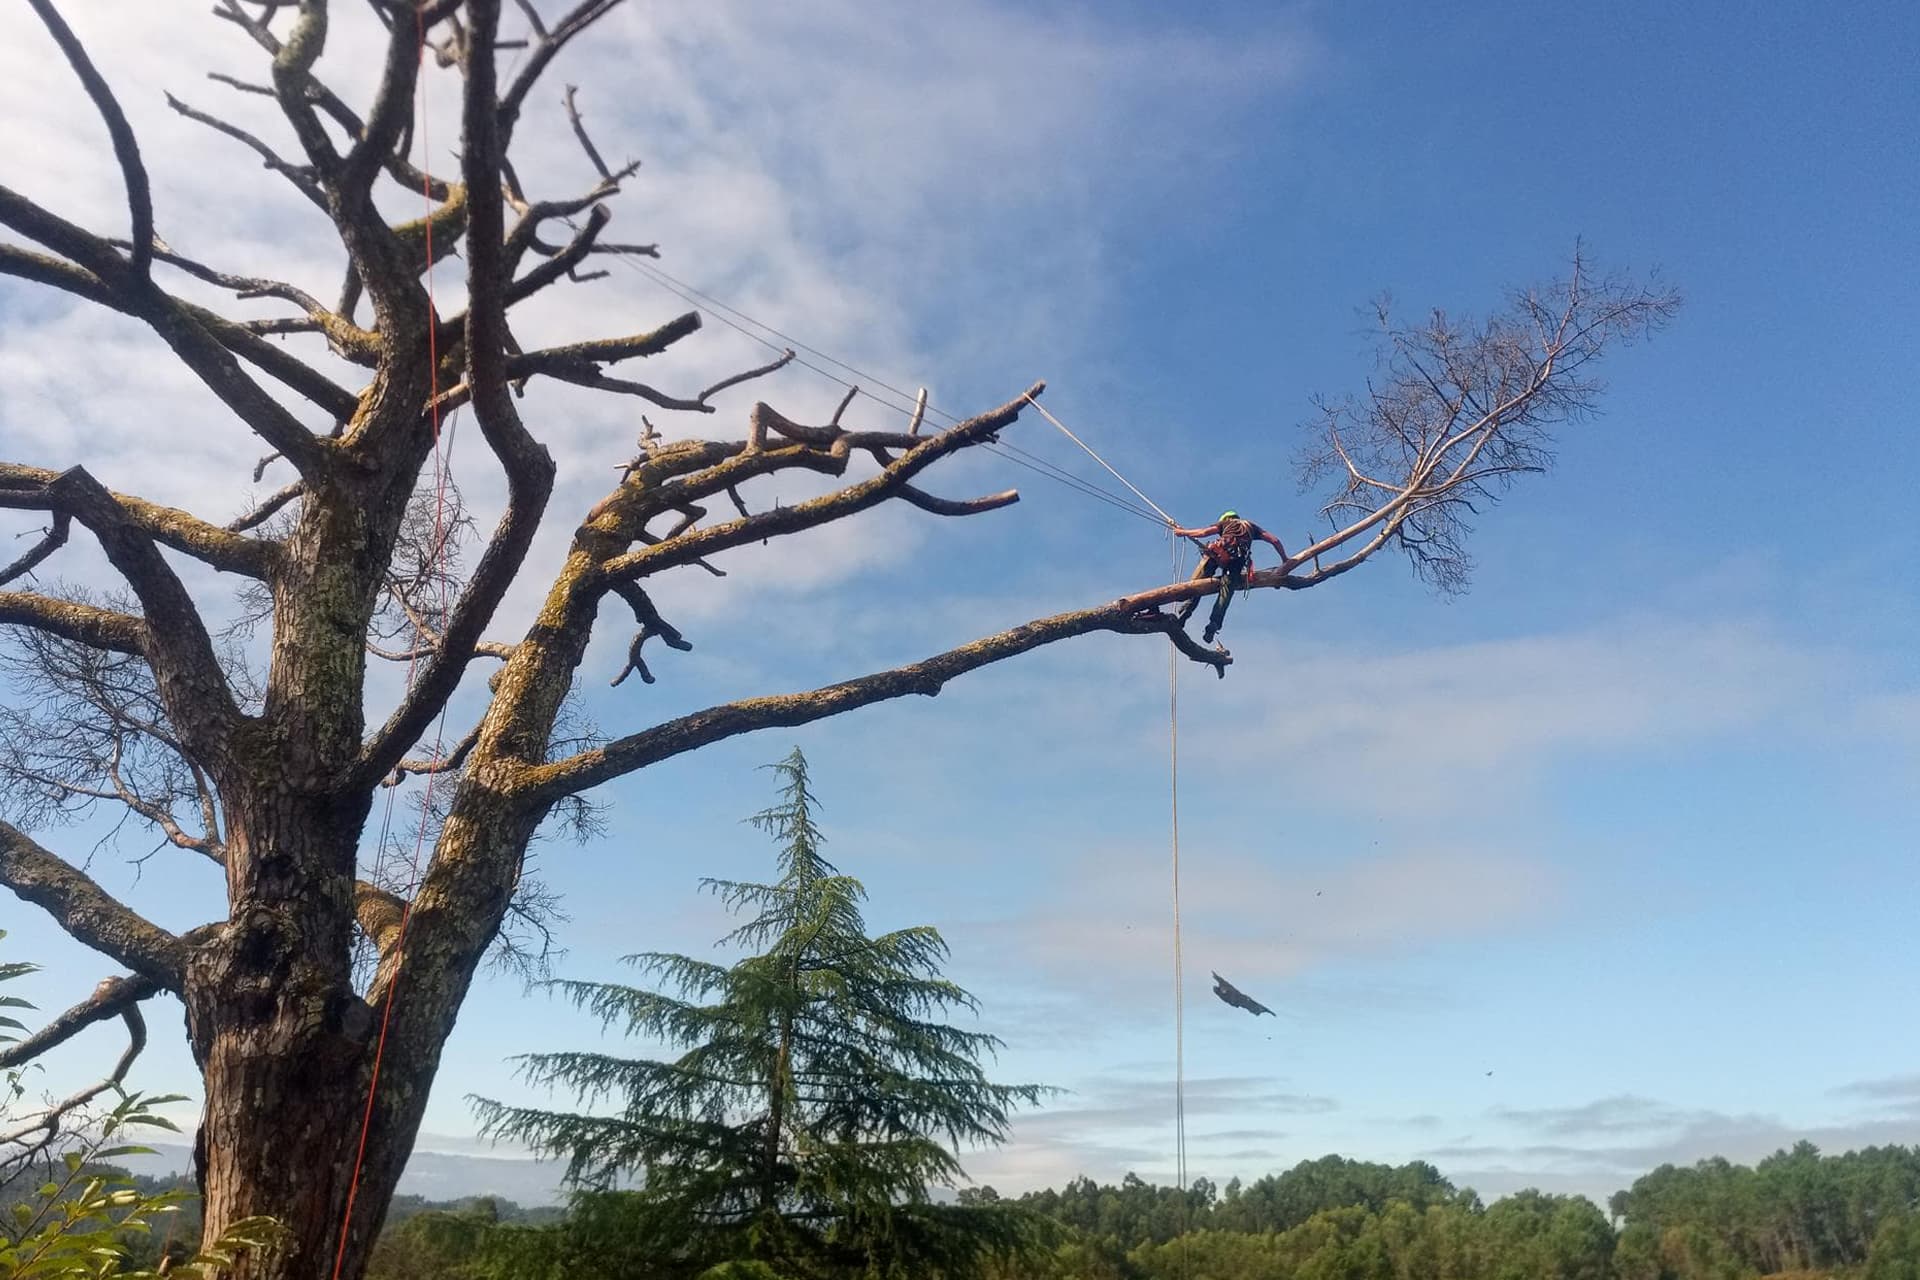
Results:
[1264, 921]
[1429, 731]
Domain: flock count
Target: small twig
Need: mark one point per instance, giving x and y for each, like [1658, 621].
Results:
[272, 503]
[586, 143]
[845, 400]
[786, 358]
[439, 764]
[243, 86]
[919, 413]
[52, 539]
[298, 176]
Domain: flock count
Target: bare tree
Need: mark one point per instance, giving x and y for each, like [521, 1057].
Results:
[275, 775]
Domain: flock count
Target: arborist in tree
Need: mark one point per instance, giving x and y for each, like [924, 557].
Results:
[1230, 556]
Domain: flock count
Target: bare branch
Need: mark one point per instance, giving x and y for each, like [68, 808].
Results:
[82, 623]
[41, 1129]
[1134, 615]
[200, 339]
[51, 540]
[546, 45]
[301, 176]
[586, 143]
[264, 91]
[773, 366]
[448, 763]
[920, 453]
[958, 507]
[651, 624]
[841, 408]
[108, 1000]
[268, 505]
[87, 912]
[346, 339]
[1458, 412]
[37, 489]
[125, 149]
[188, 672]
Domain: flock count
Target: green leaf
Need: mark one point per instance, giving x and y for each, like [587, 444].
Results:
[115, 1153]
[152, 1122]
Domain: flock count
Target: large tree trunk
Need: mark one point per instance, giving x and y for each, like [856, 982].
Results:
[287, 1066]
[289, 1050]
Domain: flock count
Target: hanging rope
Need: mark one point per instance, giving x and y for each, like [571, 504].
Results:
[1179, 955]
[442, 473]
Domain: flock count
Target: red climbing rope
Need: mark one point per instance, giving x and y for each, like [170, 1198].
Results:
[442, 463]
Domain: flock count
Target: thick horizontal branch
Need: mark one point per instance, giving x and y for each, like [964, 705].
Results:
[84, 623]
[1134, 615]
[606, 350]
[26, 488]
[89, 913]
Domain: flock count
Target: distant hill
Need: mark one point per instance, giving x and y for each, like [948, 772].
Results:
[431, 1175]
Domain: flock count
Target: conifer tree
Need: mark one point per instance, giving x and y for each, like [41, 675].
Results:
[819, 1099]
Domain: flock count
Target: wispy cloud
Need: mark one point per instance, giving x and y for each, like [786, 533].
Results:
[1623, 1113]
[1114, 1124]
[1445, 729]
[1264, 922]
[1901, 1093]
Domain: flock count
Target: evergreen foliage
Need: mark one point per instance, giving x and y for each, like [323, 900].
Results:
[819, 1098]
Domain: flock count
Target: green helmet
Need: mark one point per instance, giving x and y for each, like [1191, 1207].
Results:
[1229, 515]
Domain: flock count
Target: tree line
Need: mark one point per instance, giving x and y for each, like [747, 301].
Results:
[1797, 1212]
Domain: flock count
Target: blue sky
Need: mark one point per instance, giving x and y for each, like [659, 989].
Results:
[1628, 826]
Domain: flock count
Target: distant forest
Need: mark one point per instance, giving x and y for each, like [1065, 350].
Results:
[1797, 1213]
